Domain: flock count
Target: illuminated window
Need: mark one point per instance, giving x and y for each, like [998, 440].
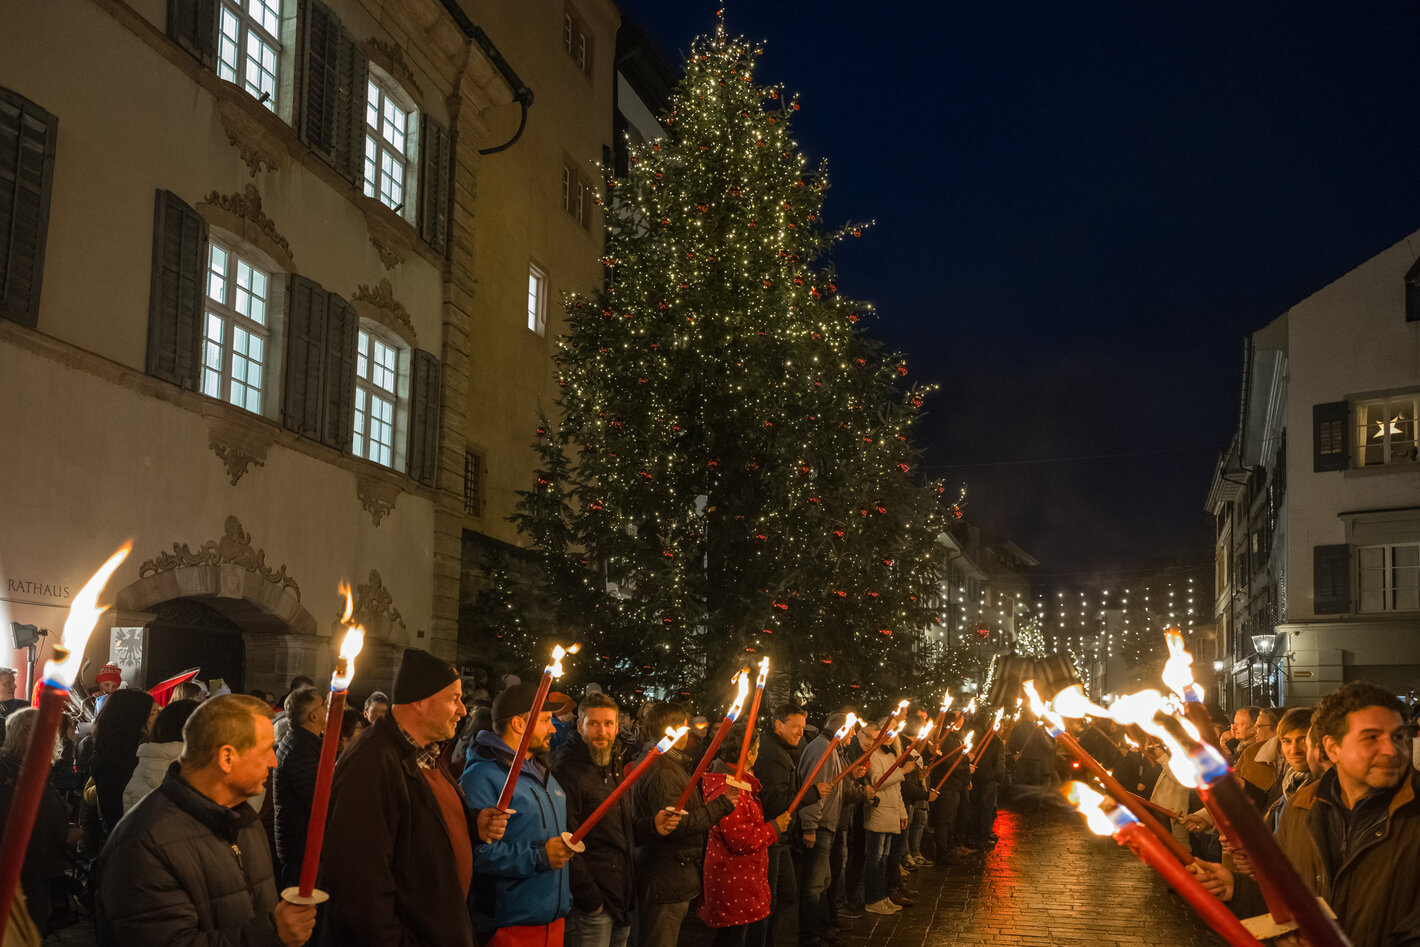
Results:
[1385, 431]
[235, 328]
[537, 299]
[376, 395]
[389, 145]
[248, 47]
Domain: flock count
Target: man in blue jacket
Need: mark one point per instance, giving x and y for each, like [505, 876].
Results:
[530, 894]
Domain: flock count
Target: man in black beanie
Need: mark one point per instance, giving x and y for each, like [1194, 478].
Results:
[398, 856]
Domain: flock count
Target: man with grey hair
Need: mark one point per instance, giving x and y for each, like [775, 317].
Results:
[190, 864]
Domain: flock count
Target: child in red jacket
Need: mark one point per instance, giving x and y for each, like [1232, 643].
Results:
[735, 897]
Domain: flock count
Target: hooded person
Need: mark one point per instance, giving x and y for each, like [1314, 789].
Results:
[400, 840]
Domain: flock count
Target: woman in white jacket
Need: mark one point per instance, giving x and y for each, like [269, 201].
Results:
[163, 748]
[885, 819]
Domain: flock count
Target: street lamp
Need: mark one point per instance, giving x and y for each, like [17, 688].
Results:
[1264, 645]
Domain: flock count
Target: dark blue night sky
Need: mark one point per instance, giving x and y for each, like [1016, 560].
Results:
[1081, 210]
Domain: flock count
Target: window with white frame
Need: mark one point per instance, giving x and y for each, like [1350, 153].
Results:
[249, 46]
[1389, 577]
[1385, 431]
[235, 328]
[390, 123]
[574, 39]
[376, 396]
[576, 195]
[537, 299]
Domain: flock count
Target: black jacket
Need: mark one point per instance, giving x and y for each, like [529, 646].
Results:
[668, 867]
[44, 858]
[961, 775]
[604, 876]
[387, 861]
[293, 787]
[181, 869]
[777, 770]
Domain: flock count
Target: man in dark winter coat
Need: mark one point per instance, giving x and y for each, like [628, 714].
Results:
[189, 864]
[603, 878]
[294, 785]
[778, 772]
[1354, 834]
[399, 840]
[668, 868]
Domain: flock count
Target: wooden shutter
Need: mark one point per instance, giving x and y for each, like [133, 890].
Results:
[1331, 436]
[192, 24]
[1331, 587]
[342, 337]
[27, 139]
[424, 418]
[435, 184]
[175, 297]
[333, 92]
[306, 316]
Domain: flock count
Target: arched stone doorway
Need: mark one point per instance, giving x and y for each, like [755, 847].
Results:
[220, 608]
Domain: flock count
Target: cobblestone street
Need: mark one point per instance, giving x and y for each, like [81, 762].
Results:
[1047, 882]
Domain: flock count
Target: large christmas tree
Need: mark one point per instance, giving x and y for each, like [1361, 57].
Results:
[738, 471]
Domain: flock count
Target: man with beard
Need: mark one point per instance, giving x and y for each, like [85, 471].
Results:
[399, 850]
[603, 879]
[530, 895]
[1354, 834]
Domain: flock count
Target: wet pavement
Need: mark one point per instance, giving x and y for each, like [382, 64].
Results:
[1047, 882]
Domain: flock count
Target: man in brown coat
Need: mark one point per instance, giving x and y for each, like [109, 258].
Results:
[1354, 834]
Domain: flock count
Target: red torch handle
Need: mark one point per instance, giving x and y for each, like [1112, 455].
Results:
[976, 758]
[1271, 863]
[1275, 905]
[1125, 798]
[34, 771]
[878, 741]
[320, 799]
[705, 759]
[946, 756]
[798, 797]
[509, 784]
[749, 732]
[1151, 852]
[901, 758]
[947, 775]
[616, 794]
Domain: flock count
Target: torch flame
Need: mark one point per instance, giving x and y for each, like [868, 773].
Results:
[668, 741]
[946, 701]
[848, 725]
[349, 603]
[83, 615]
[350, 646]
[970, 739]
[996, 723]
[1072, 702]
[925, 729]
[763, 673]
[1139, 708]
[1053, 721]
[970, 708]
[1178, 670]
[558, 653]
[742, 684]
[1088, 803]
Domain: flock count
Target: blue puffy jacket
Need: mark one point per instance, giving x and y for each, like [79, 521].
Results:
[525, 890]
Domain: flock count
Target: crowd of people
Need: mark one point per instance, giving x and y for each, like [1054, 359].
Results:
[193, 817]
